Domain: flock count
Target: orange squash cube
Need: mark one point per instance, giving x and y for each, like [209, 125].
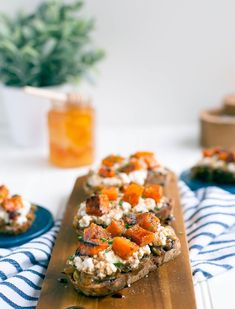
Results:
[123, 247]
[143, 154]
[148, 221]
[153, 191]
[97, 205]
[116, 228]
[95, 231]
[132, 194]
[112, 160]
[139, 235]
[133, 165]
[91, 248]
[111, 192]
[13, 203]
[106, 172]
[223, 155]
[4, 192]
[208, 152]
[148, 157]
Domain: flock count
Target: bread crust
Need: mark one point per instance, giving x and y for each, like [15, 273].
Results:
[86, 284]
[16, 229]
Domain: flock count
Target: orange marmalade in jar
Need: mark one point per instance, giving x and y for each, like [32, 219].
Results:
[71, 132]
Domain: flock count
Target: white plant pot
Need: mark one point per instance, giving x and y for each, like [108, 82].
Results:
[26, 116]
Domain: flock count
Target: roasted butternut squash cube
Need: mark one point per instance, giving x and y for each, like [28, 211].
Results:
[4, 192]
[106, 172]
[111, 192]
[148, 221]
[111, 160]
[143, 154]
[133, 165]
[116, 228]
[139, 235]
[223, 155]
[95, 231]
[123, 247]
[132, 194]
[97, 205]
[208, 152]
[153, 191]
[13, 203]
[148, 157]
[91, 248]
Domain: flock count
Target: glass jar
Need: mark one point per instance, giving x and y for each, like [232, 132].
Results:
[71, 132]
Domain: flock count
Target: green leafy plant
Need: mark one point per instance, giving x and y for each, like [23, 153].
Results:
[48, 47]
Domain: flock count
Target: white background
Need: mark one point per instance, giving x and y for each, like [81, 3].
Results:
[166, 60]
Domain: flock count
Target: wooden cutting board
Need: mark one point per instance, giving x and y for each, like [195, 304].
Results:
[169, 287]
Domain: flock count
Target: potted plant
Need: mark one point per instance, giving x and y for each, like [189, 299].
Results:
[50, 47]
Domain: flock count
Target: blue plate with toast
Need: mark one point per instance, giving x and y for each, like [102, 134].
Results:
[195, 184]
[42, 223]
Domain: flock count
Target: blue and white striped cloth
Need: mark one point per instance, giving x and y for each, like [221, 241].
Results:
[22, 271]
[209, 217]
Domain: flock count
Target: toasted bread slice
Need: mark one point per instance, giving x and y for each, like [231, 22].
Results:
[16, 228]
[86, 284]
[90, 285]
[211, 174]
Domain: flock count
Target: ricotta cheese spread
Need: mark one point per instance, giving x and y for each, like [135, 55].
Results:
[21, 214]
[120, 179]
[117, 211]
[106, 262]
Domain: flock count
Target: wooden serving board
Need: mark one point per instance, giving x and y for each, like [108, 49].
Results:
[169, 287]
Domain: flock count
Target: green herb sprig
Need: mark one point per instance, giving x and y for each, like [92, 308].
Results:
[48, 47]
[119, 264]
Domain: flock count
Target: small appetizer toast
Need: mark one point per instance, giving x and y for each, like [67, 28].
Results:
[140, 168]
[217, 165]
[107, 260]
[112, 204]
[16, 214]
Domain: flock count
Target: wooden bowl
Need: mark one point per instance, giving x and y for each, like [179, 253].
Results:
[229, 105]
[218, 127]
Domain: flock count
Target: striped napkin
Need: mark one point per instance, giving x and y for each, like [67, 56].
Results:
[209, 217]
[22, 271]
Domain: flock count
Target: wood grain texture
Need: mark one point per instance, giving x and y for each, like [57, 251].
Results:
[169, 287]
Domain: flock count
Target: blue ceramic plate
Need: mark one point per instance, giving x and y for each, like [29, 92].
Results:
[197, 184]
[42, 223]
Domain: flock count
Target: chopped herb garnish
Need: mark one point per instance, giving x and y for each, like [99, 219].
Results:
[87, 242]
[103, 239]
[118, 264]
[110, 242]
[70, 258]
[157, 208]
[127, 226]
[120, 203]
[107, 250]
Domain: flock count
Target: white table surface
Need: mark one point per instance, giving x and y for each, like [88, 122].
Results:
[27, 172]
